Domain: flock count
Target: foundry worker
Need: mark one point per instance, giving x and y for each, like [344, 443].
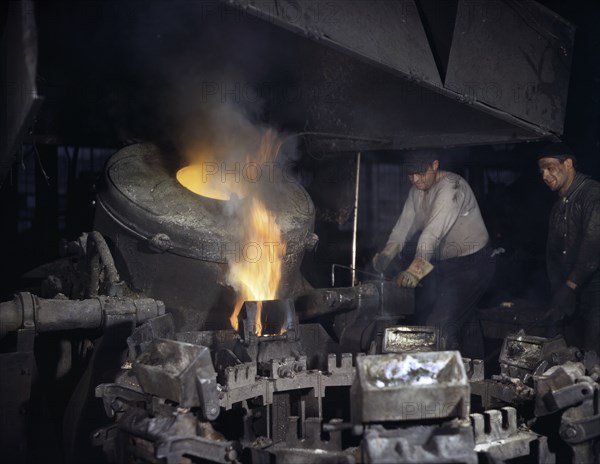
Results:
[452, 261]
[573, 247]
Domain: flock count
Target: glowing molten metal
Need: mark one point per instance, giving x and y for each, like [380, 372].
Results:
[204, 179]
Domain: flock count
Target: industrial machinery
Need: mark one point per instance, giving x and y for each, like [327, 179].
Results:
[181, 329]
[184, 370]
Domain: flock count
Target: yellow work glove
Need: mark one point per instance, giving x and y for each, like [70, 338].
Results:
[382, 260]
[412, 275]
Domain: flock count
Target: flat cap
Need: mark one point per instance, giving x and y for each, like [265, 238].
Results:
[415, 161]
[558, 150]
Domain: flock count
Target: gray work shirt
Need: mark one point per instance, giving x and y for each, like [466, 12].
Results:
[448, 217]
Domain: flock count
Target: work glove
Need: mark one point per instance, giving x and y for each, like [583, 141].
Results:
[562, 305]
[382, 260]
[412, 275]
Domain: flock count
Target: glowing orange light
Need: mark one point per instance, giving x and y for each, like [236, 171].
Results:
[256, 273]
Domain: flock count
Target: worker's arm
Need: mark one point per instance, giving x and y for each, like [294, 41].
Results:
[404, 228]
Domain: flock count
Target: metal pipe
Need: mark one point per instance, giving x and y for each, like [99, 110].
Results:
[377, 277]
[96, 240]
[383, 298]
[320, 302]
[45, 315]
[355, 226]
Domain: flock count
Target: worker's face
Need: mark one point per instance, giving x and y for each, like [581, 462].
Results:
[424, 180]
[556, 174]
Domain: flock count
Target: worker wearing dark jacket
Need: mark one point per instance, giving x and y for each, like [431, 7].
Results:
[573, 247]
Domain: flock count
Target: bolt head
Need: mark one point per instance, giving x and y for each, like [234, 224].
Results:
[568, 432]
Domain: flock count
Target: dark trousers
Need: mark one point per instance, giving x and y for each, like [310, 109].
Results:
[448, 295]
[583, 328]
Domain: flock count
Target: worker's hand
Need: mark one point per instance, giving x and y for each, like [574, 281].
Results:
[563, 304]
[407, 279]
[412, 275]
[382, 260]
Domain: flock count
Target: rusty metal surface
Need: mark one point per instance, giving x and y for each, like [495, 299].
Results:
[168, 439]
[498, 436]
[562, 386]
[410, 407]
[474, 369]
[383, 298]
[451, 442]
[142, 336]
[571, 390]
[524, 82]
[142, 194]
[180, 372]
[522, 354]
[429, 385]
[526, 73]
[380, 304]
[242, 382]
[581, 430]
[51, 314]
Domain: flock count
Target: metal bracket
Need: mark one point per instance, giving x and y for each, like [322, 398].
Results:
[580, 430]
[573, 394]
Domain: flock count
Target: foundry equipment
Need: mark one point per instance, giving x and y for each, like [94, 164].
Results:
[163, 353]
[180, 381]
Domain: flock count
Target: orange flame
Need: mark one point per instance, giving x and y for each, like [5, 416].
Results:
[255, 272]
[256, 275]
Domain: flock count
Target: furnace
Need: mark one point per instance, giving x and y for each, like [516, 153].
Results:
[179, 245]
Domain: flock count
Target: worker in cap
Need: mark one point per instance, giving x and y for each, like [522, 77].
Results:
[573, 247]
[452, 262]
